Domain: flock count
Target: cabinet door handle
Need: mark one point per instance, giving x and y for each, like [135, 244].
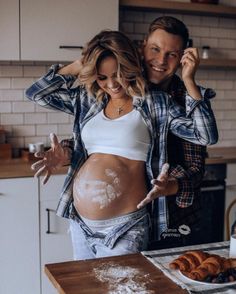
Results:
[70, 47]
[48, 218]
[213, 188]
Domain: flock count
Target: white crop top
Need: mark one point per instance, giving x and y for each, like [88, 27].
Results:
[125, 136]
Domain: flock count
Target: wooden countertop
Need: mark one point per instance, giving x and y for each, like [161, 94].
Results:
[117, 274]
[218, 155]
[15, 168]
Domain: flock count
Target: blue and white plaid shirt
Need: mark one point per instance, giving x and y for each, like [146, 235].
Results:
[161, 114]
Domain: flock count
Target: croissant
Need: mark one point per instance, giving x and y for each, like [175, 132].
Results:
[213, 265]
[197, 265]
[188, 261]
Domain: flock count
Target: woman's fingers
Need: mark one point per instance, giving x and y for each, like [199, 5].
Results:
[46, 177]
[54, 140]
[37, 165]
[41, 171]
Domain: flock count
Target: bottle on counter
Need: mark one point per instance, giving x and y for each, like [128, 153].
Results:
[233, 228]
[232, 246]
[205, 52]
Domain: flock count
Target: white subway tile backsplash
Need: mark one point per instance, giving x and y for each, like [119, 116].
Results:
[11, 95]
[35, 118]
[229, 23]
[226, 85]
[229, 115]
[207, 21]
[141, 28]
[23, 130]
[150, 16]
[64, 129]
[226, 43]
[11, 119]
[192, 20]
[11, 71]
[5, 107]
[212, 42]
[45, 130]
[199, 31]
[22, 107]
[21, 83]
[5, 83]
[230, 95]
[34, 71]
[57, 117]
[128, 26]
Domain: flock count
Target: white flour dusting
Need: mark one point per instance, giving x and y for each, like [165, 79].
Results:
[122, 279]
[101, 192]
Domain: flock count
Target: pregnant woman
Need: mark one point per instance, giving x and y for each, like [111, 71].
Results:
[119, 133]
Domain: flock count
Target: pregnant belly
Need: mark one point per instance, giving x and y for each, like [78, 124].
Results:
[108, 186]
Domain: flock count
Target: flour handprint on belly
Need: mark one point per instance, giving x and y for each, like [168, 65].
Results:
[99, 191]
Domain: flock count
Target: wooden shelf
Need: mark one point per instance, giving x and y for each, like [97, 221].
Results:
[218, 63]
[181, 7]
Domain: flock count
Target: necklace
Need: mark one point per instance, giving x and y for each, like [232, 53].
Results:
[119, 109]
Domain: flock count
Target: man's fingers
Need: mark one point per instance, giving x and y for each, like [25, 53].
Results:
[160, 182]
[147, 199]
[144, 202]
[164, 172]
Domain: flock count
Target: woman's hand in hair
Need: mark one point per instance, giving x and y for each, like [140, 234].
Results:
[73, 68]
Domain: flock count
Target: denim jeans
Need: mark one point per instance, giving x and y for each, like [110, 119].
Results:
[117, 236]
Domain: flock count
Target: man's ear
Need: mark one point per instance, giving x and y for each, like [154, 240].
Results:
[144, 43]
[142, 47]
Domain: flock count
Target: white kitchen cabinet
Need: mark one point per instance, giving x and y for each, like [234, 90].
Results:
[19, 243]
[231, 190]
[48, 24]
[9, 30]
[55, 240]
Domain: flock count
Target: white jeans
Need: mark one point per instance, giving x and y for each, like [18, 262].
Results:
[117, 236]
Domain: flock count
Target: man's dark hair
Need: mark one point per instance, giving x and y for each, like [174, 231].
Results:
[171, 25]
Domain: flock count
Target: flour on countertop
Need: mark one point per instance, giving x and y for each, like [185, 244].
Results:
[122, 279]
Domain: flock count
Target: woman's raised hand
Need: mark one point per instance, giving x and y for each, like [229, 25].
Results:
[53, 159]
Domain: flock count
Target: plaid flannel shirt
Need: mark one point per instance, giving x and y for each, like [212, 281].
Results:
[160, 114]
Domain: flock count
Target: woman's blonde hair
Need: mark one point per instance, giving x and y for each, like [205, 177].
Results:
[118, 45]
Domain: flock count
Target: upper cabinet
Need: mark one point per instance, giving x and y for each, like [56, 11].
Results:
[181, 7]
[9, 30]
[52, 30]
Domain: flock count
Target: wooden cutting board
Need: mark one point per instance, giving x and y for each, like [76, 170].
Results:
[119, 274]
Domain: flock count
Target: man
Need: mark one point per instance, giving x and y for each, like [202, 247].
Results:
[175, 218]
[178, 217]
